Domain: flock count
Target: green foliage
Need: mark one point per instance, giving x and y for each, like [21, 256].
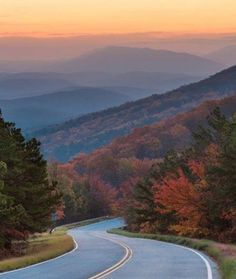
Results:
[27, 199]
[221, 177]
[228, 267]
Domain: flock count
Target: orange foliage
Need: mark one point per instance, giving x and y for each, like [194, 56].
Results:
[177, 194]
[60, 212]
[103, 193]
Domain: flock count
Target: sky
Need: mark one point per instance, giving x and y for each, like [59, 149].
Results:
[73, 17]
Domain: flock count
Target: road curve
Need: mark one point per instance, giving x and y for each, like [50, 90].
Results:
[102, 255]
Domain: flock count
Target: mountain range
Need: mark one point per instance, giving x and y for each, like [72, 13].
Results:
[40, 111]
[18, 85]
[134, 84]
[21, 48]
[154, 70]
[86, 133]
[128, 59]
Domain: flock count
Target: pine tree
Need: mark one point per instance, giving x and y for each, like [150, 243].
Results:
[27, 199]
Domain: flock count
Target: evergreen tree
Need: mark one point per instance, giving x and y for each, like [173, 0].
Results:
[141, 212]
[27, 199]
[222, 177]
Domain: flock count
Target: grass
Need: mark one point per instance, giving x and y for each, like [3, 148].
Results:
[45, 246]
[41, 247]
[224, 254]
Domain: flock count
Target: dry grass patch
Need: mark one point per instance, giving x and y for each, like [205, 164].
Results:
[41, 247]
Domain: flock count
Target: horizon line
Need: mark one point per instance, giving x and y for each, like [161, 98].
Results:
[161, 34]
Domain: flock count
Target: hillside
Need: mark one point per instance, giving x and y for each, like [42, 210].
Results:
[40, 111]
[154, 141]
[128, 59]
[91, 131]
[130, 157]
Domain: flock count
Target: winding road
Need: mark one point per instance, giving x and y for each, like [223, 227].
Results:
[98, 254]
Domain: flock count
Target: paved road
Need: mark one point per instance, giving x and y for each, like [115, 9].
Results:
[138, 259]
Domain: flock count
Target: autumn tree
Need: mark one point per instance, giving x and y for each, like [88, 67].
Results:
[141, 213]
[192, 192]
[181, 196]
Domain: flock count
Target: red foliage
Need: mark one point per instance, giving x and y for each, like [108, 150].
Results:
[177, 194]
[60, 212]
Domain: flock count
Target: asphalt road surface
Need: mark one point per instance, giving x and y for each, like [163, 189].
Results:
[102, 255]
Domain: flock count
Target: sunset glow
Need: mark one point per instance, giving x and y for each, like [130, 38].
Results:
[63, 17]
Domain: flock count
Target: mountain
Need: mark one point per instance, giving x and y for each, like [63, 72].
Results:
[20, 48]
[40, 111]
[157, 82]
[127, 59]
[226, 55]
[136, 85]
[91, 131]
[20, 85]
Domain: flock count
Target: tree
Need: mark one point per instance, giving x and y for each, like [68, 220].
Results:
[192, 192]
[10, 214]
[141, 213]
[183, 198]
[27, 197]
[222, 176]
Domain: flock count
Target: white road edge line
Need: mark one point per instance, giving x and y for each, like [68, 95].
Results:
[43, 262]
[208, 266]
[128, 255]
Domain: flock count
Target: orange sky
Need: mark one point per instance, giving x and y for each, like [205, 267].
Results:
[51, 17]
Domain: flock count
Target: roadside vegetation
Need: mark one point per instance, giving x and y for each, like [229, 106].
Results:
[224, 254]
[191, 193]
[40, 247]
[44, 246]
[28, 200]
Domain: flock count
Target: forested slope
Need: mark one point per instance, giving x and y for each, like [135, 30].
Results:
[94, 130]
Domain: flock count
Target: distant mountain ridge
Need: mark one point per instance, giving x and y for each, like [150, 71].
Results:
[158, 82]
[91, 131]
[29, 84]
[226, 55]
[135, 84]
[130, 59]
[40, 111]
